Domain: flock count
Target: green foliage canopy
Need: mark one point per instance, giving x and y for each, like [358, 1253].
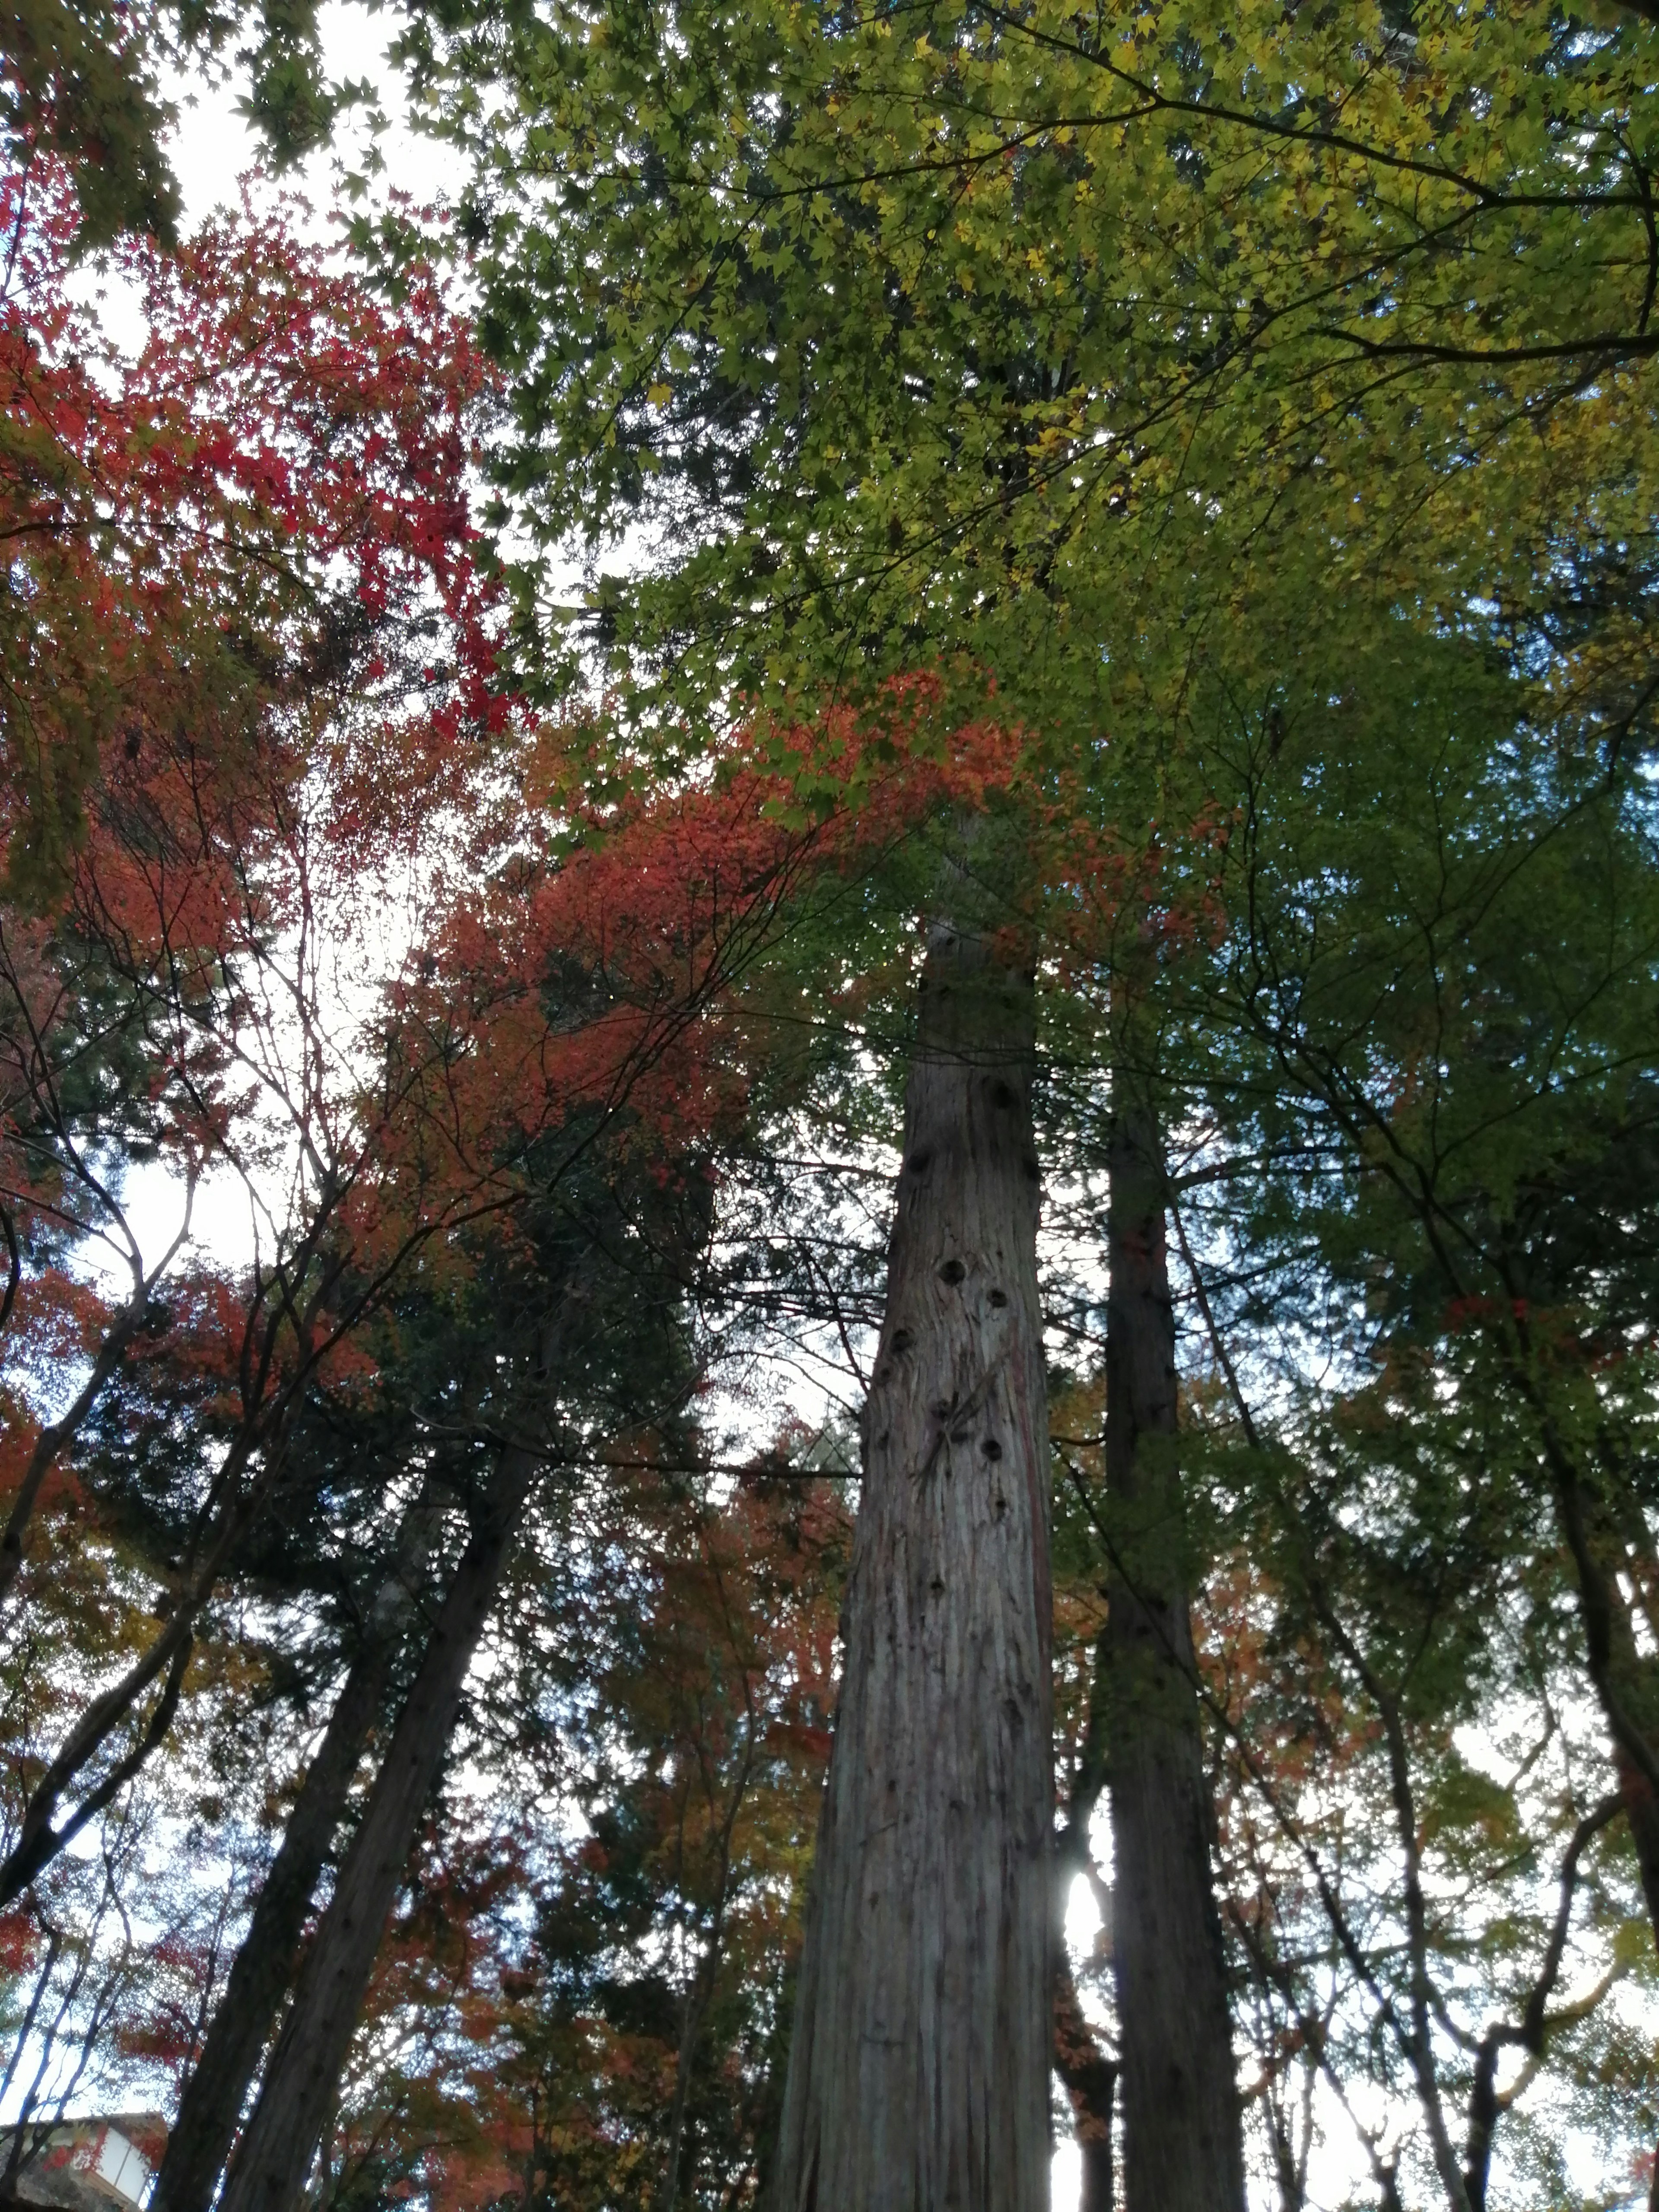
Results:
[1076, 348]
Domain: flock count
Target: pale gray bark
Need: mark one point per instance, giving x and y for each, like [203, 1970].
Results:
[1183, 2144]
[918, 2066]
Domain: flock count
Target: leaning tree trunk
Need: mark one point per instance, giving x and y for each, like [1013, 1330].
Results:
[271, 2167]
[919, 2065]
[200, 2138]
[1625, 1678]
[1182, 2146]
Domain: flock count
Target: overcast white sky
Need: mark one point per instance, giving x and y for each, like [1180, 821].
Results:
[214, 146]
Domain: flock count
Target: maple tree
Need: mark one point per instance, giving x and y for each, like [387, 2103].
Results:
[173, 541]
[1505, 1072]
[1422, 887]
[80, 91]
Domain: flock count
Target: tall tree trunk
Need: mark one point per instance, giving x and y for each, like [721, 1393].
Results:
[1183, 2144]
[269, 2170]
[1625, 1679]
[919, 2065]
[261, 1974]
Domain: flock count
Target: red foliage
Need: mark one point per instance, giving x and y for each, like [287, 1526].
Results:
[270, 498]
[20, 1941]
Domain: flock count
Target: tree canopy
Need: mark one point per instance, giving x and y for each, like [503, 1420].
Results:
[1113, 563]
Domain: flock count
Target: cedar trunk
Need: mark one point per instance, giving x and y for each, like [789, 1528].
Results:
[1182, 2146]
[271, 2165]
[918, 2066]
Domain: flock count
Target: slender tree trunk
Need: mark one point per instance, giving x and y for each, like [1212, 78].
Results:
[918, 2066]
[166, 1658]
[38, 1842]
[1089, 2078]
[1183, 2145]
[702, 1988]
[269, 2170]
[262, 1973]
[1625, 1679]
[1087, 2071]
[52, 1439]
[260, 1977]
[668, 2190]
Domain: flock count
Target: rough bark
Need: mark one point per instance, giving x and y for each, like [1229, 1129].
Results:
[271, 2167]
[1183, 2145]
[919, 2065]
[262, 1973]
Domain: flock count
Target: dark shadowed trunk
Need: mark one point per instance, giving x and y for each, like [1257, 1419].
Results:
[919, 2065]
[259, 1978]
[1087, 2070]
[1625, 1679]
[263, 1971]
[271, 2167]
[1089, 2079]
[1641, 1803]
[1182, 2146]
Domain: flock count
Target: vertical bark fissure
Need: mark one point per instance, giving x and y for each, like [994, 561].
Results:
[919, 2065]
[1183, 2142]
[274, 2157]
